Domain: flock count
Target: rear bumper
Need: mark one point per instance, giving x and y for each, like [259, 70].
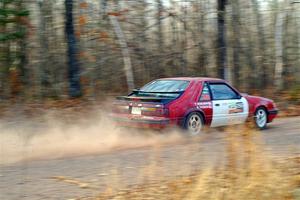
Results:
[140, 121]
[272, 114]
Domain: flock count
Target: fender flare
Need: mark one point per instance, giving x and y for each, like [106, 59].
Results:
[260, 104]
[194, 109]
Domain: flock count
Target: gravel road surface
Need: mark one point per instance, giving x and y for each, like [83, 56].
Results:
[88, 175]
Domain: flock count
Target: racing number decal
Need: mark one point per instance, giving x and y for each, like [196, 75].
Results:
[235, 107]
[238, 111]
[233, 111]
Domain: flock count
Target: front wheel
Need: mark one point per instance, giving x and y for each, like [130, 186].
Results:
[261, 118]
[194, 123]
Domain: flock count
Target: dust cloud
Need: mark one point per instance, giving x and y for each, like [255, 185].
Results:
[54, 138]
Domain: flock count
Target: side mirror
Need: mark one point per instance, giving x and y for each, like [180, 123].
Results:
[244, 94]
[239, 96]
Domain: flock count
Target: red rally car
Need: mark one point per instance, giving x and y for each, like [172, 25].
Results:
[192, 103]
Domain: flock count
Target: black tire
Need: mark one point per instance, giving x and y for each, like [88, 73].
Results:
[261, 118]
[194, 124]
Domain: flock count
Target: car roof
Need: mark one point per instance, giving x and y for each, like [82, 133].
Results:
[192, 79]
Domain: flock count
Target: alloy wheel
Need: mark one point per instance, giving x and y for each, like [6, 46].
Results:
[261, 118]
[194, 124]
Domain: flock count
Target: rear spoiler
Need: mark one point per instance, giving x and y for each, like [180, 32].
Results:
[144, 99]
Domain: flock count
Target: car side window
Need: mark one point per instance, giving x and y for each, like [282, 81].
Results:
[221, 91]
[205, 95]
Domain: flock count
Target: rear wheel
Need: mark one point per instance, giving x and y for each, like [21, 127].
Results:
[261, 118]
[194, 123]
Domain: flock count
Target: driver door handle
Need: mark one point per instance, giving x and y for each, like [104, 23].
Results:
[217, 104]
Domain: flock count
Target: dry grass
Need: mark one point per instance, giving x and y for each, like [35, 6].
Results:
[271, 183]
[247, 175]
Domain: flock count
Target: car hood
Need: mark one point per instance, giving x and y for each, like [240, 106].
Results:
[251, 98]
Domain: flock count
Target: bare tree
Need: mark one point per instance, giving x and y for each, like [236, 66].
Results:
[221, 45]
[202, 57]
[125, 51]
[85, 42]
[160, 38]
[235, 22]
[73, 64]
[45, 12]
[260, 71]
[280, 17]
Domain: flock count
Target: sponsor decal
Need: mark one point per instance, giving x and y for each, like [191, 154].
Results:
[204, 105]
[236, 107]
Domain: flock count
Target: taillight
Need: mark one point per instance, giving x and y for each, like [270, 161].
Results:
[154, 111]
[157, 110]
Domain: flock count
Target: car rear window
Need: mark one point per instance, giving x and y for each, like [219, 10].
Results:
[165, 86]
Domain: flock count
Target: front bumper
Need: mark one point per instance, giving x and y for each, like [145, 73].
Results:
[272, 114]
[139, 121]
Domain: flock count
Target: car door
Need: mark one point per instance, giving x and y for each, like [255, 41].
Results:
[228, 106]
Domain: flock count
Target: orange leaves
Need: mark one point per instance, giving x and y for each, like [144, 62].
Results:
[81, 55]
[78, 34]
[103, 36]
[116, 14]
[83, 5]
[82, 20]
[15, 82]
[88, 57]
[119, 13]
[91, 58]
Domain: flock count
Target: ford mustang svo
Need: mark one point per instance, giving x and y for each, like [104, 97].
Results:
[191, 103]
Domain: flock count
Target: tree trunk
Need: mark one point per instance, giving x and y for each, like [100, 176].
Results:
[73, 64]
[235, 21]
[297, 75]
[103, 8]
[44, 49]
[21, 67]
[221, 43]
[174, 35]
[281, 15]
[143, 42]
[250, 80]
[125, 51]
[184, 43]
[260, 73]
[160, 37]
[202, 56]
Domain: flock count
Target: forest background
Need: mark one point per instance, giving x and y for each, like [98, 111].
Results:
[92, 48]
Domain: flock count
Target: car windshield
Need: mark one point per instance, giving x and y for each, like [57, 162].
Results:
[163, 88]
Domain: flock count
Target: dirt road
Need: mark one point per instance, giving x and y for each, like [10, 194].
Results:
[88, 175]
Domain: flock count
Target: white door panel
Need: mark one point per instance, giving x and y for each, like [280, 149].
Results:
[231, 111]
[238, 111]
[220, 113]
